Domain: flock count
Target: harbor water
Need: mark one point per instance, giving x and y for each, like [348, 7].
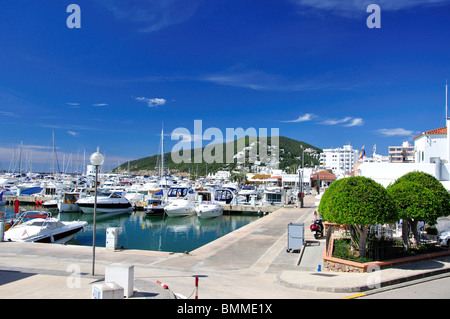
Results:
[156, 233]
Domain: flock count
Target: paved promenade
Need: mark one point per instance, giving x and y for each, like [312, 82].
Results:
[250, 263]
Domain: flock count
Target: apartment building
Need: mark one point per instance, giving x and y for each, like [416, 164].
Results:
[339, 160]
[402, 154]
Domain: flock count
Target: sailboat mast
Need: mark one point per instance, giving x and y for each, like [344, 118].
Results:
[446, 99]
[20, 157]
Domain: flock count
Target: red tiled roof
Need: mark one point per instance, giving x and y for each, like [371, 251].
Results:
[442, 130]
[323, 176]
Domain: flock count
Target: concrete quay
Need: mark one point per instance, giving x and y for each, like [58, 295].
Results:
[249, 263]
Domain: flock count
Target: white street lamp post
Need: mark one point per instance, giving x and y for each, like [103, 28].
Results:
[97, 160]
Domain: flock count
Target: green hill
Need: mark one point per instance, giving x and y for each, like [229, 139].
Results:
[289, 154]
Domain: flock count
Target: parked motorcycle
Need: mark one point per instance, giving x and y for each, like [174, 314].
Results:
[317, 229]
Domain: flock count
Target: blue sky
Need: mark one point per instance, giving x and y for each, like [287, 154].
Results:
[311, 68]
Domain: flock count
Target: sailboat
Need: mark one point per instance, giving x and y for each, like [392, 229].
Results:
[156, 204]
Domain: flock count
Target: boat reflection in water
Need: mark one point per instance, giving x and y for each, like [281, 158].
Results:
[157, 233]
[161, 233]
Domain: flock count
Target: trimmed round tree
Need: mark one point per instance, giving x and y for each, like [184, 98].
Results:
[415, 203]
[435, 186]
[358, 201]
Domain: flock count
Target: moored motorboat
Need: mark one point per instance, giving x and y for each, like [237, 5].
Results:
[41, 227]
[180, 207]
[68, 203]
[155, 207]
[209, 210]
[107, 202]
[52, 203]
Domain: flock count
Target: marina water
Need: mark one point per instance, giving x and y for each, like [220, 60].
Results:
[157, 233]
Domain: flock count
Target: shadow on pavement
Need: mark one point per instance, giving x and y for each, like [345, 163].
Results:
[7, 276]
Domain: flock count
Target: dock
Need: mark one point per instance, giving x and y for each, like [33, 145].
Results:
[250, 209]
[24, 199]
[138, 206]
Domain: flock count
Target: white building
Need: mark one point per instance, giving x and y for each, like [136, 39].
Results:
[387, 173]
[376, 158]
[339, 160]
[431, 145]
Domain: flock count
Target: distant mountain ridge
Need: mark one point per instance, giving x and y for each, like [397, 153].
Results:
[290, 155]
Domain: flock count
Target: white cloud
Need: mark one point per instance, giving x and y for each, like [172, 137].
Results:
[354, 8]
[355, 122]
[10, 114]
[335, 121]
[347, 121]
[302, 118]
[151, 102]
[186, 137]
[152, 15]
[100, 104]
[262, 81]
[72, 133]
[395, 132]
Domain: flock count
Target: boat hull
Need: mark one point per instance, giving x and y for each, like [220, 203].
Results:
[68, 208]
[180, 208]
[154, 211]
[59, 238]
[61, 235]
[209, 211]
[106, 208]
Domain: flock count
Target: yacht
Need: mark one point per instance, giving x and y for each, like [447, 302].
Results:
[224, 195]
[29, 188]
[208, 210]
[41, 227]
[180, 201]
[227, 196]
[272, 196]
[250, 191]
[155, 207]
[68, 202]
[180, 207]
[206, 207]
[107, 202]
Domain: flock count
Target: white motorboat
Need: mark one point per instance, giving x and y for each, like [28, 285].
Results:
[248, 190]
[206, 207]
[272, 196]
[41, 227]
[180, 207]
[208, 210]
[227, 196]
[52, 203]
[155, 207]
[180, 201]
[68, 202]
[107, 202]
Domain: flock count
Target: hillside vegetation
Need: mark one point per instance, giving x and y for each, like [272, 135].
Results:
[290, 157]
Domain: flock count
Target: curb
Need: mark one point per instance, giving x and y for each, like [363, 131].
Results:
[363, 288]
